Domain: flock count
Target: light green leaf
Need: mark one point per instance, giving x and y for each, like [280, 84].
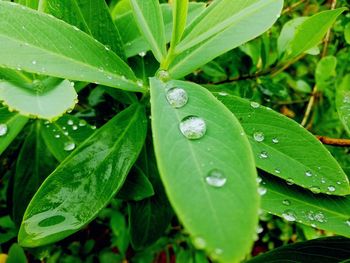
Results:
[180, 9]
[223, 26]
[285, 149]
[65, 135]
[149, 19]
[329, 249]
[33, 165]
[347, 33]
[84, 14]
[11, 125]
[307, 37]
[325, 73]
[210, 181]
[39, 43]
[47, 99]
[343, 102]
[134, 40]
[330, 213]
[84, 182]
[30, 3]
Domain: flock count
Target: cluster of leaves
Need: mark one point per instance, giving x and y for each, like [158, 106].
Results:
[190, 184]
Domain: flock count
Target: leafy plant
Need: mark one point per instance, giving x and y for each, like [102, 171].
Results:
[193, 179]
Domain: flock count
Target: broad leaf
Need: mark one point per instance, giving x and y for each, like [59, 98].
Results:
[65, 135]
[223, 26]
[180, 9]
[83, 14]
[347, 33]
[149, 218]
[134, 41]
[293, 203]
[149, 19]
[326, 73]
[33, 165]
[57, 49]
[10, 126]
[84, 182]
[329, 249]
[307, 37]
[34, 4]
[343, 102]
[16, 255]
[285, 149]
[47, 99]
[207, 168]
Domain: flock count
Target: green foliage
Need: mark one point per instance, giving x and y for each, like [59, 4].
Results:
[221, 172]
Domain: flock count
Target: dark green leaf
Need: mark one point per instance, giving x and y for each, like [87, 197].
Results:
[16, 255]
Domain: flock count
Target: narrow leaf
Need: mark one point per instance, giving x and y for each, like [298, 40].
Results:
[207, 168]
[42, 44]
[223, 26]
[149, 19]
[307, 37]
[11, 125]
[180, 9]
[329, 249]
[293, 203]
[285, 149]
[84, 182]
[343, 102]
[83, 14]
[47, 99]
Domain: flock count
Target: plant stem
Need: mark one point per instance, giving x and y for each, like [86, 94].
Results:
[293, 6]
[334, 141]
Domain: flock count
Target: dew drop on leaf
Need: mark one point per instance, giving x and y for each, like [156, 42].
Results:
[263, 155]
[286, 202]
[259, 136]
[216, 178]
[69, 146]
[331, 188]
[139, 83]
[275, 140]
[177, 97]
[82, 123]
[308, 173]
[74, 127]
[290, 181]
[222, 93]
[262, 190]
[199, 243]
[193, 127]
[289, 215]
[34, 62]
[315, 189]
[3, 129]
[254, 105]
[347, 222]
[70, 122]
[163, 75]
[57, 136]
[142, 54]
[277, 171]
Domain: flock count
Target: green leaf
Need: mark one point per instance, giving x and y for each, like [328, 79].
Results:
[347, 33]
[33, 165]
[307, 37]
[285, 149]
[83, 14]
[16, 255]
[330, 213]
[180, 9]
[149, 218]
[326, 73]
[329, 249]
[84, 182]
[65, 135]
[134, 41]
[47, 99]
[11, 125]
[223, 26]
[30, 3]
[210, 181]
[343, 102]
[149, 19]
[42, 44]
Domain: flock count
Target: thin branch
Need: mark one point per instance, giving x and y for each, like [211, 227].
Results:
[293, 6]
[334, 141]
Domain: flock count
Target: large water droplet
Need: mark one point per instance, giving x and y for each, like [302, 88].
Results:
[69, 146]
[75, 127]
[262, 190]
[70, 122]
[3, 129]
[254, 105]
[259, 136]
[34, 62]
[177, 97]
[216, 178]
[331, 188]
[163, 75]
[289, 215]
[193, 127]
[199, 243]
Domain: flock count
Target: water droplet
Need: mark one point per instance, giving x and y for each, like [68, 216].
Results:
[142, 54]
[163, 75]
[216, 178]
[262, 190]
[331, 188]
[57, 136]
[290, 181]
[339, 183]
[222, 93]
[289, 215]
[277, 171]
[319, 217]
[110, 77]
[74, 127]
[259, 136]
[323, 180]
[177, 97]
[34, 62]
[107, 48]
[315, 189]
[313, 225]
[199, 243]
[139, 83]
[263, 155]
[66, 133]
[82, 123]
[258, 179]
[75, 28]
[216, 253]
[93, 127]
[100, 69]
[347, 222]
[259, 229]
[286, 202]
[70, 122]
[3, 129]
[275, 140]
[254, 105]
[308, 173]
[69, 146]
[193, 127]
